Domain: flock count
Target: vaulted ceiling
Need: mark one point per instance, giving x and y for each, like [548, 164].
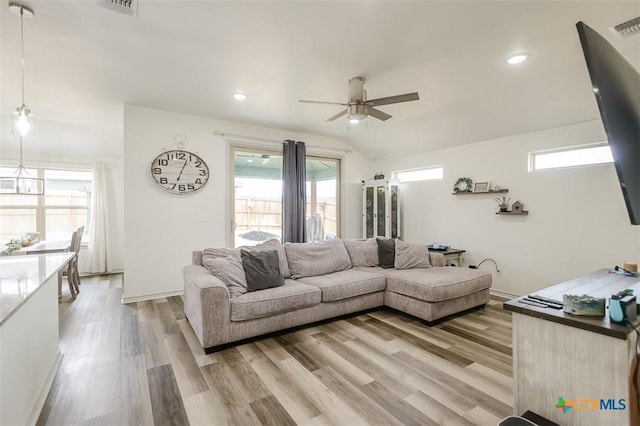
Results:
[84, 62]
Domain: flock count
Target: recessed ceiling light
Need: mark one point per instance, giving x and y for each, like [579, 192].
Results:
[239, 96]
[517, 58]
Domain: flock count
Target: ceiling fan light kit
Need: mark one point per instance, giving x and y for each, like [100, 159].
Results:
[359, 108]
[357, 112]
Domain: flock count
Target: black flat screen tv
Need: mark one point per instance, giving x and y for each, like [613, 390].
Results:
[616, 85]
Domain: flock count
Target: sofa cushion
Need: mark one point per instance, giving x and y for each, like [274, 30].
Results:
[229, 270]
[311, 259]
[272, 244]
[435, 284]
[261, 269]
[409, 256]
[362, 252]
[386, 252]
[291, 296]
[345, 284]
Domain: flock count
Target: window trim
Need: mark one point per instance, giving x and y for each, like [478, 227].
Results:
[532, 157]
[233, 145]
[394, 173]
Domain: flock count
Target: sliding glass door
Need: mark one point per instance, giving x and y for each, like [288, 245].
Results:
[257, 196]
[257, 189]
[323, 195]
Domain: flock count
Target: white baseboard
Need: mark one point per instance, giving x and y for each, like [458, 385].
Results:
[94, 274]
[503, 294]
[144, 297]
[44, 392]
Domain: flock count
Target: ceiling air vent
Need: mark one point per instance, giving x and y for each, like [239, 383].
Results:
[128, 7]
[628, 28]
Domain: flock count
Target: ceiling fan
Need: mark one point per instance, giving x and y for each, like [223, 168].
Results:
[358, 107]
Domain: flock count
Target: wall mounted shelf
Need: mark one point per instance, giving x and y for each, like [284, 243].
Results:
[512, 213]
[499, 191]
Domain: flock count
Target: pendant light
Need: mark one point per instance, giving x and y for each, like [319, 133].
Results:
[19, 182]
[23, 118]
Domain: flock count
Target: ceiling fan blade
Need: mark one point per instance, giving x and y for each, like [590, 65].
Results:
[394, 99]
[321, 102]
[338, 115]
[378, 114]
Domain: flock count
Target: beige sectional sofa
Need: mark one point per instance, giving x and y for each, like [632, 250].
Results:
[322, 281]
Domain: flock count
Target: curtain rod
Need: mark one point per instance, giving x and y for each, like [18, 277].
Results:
[274, 141]
[52, 164]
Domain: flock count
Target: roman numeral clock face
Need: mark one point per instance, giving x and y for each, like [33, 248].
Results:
[179, 172]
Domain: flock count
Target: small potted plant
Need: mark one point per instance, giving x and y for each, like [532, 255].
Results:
[11, 246]
[503, 203]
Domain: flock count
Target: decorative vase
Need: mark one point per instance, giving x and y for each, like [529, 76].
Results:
[503, 209]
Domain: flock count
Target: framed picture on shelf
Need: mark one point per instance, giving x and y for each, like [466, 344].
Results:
[481, 187]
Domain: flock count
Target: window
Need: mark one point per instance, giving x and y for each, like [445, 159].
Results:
[257, 196]
[64, 207]
[570, 157]
[415, 175]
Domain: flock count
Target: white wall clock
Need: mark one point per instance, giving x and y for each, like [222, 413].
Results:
[179, 172]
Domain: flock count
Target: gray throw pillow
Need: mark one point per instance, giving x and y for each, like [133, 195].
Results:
[212, 253]
[262, 269]
[274, 244]
[410, 256]
[362, 252]
[386, 252]
[228, 270]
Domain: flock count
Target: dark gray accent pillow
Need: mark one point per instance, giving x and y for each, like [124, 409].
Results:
[386, 252]
[262, 269]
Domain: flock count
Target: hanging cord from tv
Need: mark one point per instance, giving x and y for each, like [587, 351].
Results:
[635, 369]
[485, 260]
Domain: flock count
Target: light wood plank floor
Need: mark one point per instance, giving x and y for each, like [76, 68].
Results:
[140, 364]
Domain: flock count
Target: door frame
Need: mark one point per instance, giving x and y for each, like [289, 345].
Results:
[234, 145]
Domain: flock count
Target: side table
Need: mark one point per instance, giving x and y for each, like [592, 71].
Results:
[452, 256]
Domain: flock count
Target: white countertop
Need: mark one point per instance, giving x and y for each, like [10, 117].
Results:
[22, 276]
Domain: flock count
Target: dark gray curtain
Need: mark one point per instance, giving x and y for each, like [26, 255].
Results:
[294, 185]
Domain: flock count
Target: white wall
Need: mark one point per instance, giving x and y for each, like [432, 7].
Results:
[161, 229]
[577, 220]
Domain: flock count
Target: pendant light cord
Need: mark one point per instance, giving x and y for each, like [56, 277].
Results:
[21, 165]
[22, 50]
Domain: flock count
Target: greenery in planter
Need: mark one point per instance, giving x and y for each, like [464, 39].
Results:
[503, 203]
[13, 245]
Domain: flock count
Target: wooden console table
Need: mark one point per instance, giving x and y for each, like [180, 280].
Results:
[581, 359]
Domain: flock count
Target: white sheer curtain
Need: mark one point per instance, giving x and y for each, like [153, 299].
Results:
[102, 222]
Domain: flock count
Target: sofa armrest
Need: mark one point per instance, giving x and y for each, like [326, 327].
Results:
[206, 305]
[436, 259]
